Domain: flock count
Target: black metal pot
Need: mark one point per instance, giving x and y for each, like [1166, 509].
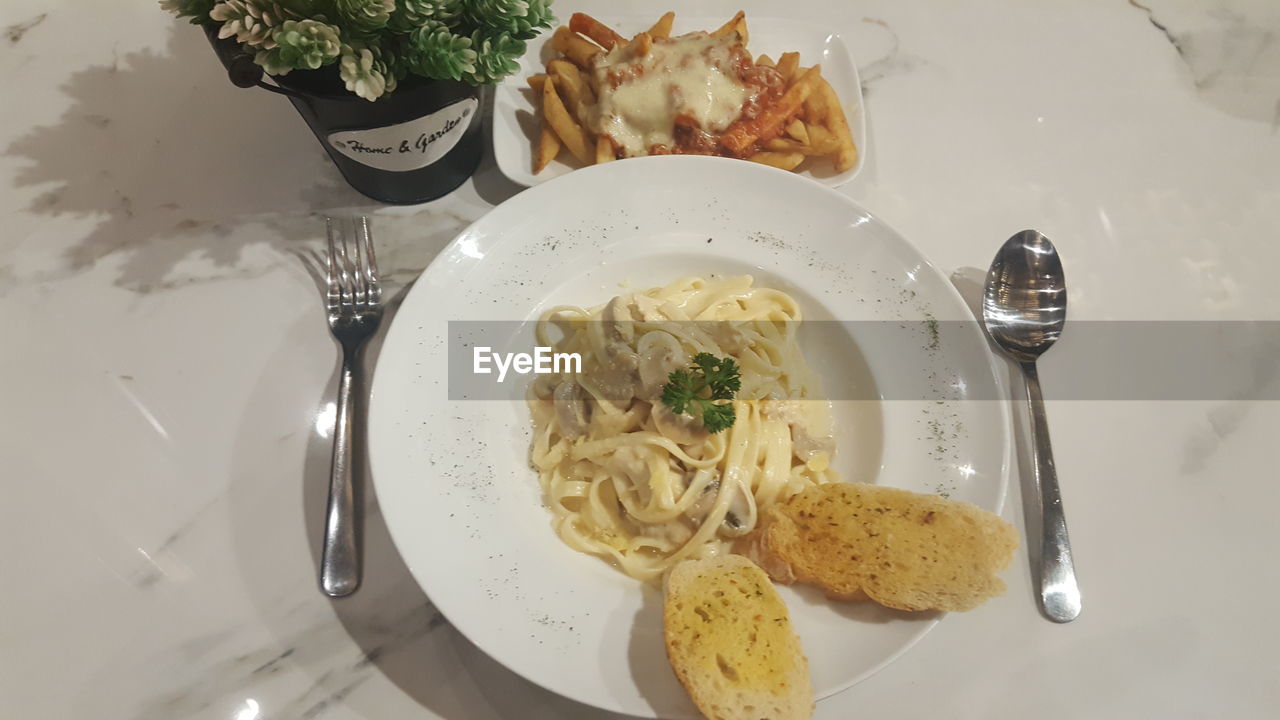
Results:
[410, 146]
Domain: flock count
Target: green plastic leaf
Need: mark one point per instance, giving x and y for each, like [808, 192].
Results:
[301, 45]
[364, 15]
[196, 10]
[410, 15]
[250, 22]
[434, 51]
[521, 19]
[365, 71]
[496, 57]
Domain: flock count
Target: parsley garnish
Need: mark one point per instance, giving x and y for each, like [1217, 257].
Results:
[701, 388]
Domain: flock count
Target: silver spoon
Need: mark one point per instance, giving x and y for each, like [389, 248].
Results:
[1024, 308]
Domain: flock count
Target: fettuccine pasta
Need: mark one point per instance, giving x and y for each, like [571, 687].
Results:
[631, 481]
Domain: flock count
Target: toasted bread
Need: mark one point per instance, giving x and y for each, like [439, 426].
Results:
[901, 549]
[731, 644]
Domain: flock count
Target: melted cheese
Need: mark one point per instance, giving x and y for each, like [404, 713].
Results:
[640, 97]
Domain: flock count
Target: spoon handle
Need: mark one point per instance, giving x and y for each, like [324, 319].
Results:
[1059, 593]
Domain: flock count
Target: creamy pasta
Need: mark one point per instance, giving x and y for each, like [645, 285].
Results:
[629, 480]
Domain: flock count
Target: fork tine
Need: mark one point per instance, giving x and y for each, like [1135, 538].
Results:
[331, 276]
[345, 274]
[371, 261]
[357, 265]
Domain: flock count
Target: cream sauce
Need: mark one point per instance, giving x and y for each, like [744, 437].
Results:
[695, 76]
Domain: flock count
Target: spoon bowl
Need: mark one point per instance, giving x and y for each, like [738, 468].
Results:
[1024, 308]
[1025, 303]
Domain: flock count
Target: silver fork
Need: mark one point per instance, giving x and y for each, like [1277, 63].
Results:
[355, 309]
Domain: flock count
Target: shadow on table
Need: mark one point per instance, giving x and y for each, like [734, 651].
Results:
[325, 652]
[161, 145]
[162, 159]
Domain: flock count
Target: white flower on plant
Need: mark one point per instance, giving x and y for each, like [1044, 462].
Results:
[250, 22]
[361, 74]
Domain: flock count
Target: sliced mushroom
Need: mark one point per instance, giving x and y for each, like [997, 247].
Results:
[614, 375]
[617, 311]
[660, 355]
[544, 386]
[571, 409]
[740, 518]
[738, 521]
[617, 327]
[812, 433]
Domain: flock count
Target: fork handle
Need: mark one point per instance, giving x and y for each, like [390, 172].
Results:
[340, 562]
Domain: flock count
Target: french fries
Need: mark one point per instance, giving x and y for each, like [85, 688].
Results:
[847, 154]
[662, 28]
[815, 109]
[570, 132]
[787, 64]
[641, 45]
[798, 131]
[604, 150]
[575, 47]
[821, 141]
[797, 116]
[783, 145]
[598, 32]
[783, 160]
[548, 147]
[737, 23]
[575, 90]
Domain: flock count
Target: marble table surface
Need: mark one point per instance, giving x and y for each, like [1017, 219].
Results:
[168, 374]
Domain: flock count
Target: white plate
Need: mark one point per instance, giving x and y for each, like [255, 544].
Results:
[453, 477]
[514, 112]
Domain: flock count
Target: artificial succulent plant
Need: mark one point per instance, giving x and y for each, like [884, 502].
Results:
[375, 43]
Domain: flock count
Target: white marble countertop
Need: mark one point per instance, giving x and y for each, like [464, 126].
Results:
[168, 369]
